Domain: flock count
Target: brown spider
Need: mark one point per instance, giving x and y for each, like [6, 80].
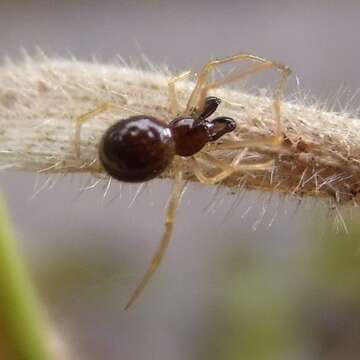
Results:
[140, 147]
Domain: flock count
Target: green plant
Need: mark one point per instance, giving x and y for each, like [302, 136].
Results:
[23, 333]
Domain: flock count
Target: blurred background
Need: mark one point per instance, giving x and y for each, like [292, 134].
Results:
[248, 275]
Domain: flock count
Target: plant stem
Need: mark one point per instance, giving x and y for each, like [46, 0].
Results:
[40, 99]
[23, 331]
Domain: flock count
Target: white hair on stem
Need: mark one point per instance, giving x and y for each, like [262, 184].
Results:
[40, 99]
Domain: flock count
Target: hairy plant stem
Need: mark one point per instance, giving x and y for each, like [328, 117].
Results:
[40, 99]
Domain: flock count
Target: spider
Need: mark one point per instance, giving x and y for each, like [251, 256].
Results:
[139, 148]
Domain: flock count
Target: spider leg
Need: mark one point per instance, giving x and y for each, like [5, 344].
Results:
[169, 225]
[227, 169]
[199, 94]
[80, 120]
[174, 103]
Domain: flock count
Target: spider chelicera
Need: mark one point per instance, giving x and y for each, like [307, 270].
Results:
[140, 147]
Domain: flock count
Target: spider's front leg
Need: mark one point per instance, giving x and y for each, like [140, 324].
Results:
[203, 85]
[174, 103]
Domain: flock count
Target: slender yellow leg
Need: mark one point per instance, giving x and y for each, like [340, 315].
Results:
[228, 169]
[174, 103]
[199, 94]
[176, 192]
[80, 120]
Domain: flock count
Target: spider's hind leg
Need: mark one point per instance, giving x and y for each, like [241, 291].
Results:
[82, 119]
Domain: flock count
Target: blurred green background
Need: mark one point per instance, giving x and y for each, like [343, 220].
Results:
[247, 276]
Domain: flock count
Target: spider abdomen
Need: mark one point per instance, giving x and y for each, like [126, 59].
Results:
[136, 149]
